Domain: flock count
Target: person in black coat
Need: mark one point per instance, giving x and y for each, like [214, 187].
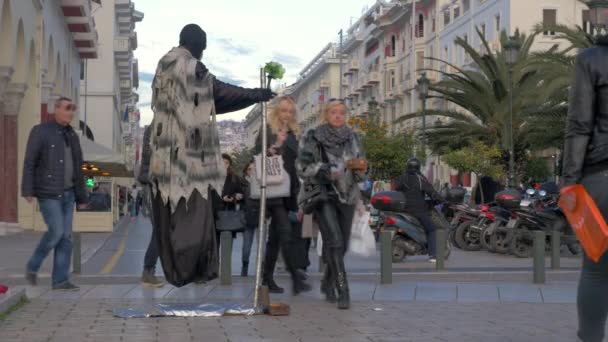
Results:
[415, 187]
[586, 163]
[252, 217]
[282, 140]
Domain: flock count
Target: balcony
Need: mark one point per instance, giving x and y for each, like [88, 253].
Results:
[122, 48]
[354, 66]
[373, 78]
[324, 84]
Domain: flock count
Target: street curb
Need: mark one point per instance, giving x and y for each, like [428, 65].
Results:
[10, 299]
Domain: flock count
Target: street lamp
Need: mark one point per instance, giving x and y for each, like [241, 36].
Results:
[423, 92]
[511, 51]
[598, 13]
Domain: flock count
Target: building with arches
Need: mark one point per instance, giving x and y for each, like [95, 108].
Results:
[42, 45]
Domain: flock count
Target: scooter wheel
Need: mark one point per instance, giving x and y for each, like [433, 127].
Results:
[398, 251]
[501, 240]
[486, 236]
[522, 245]
[465, 239]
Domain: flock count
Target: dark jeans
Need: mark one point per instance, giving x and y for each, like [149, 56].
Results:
[429, 226]
[248, 235]
[57, 214]
[593, 285]
[280, 237]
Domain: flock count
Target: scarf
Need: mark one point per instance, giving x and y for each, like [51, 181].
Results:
[333, 139]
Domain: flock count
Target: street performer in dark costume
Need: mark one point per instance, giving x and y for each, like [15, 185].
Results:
[186, 168]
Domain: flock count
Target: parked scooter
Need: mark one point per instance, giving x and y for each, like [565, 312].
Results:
[409, 236]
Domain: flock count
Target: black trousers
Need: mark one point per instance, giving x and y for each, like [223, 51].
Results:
[302, 246]
[151, 256]
[424, 216]
[593, 285]
[280, 238]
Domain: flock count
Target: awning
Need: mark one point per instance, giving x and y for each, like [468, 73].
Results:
[104, 159]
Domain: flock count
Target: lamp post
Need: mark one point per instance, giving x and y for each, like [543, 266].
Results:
[598, 15]
[423, 92]
[511, 50]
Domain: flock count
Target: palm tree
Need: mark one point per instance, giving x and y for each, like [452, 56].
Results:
[480, 95]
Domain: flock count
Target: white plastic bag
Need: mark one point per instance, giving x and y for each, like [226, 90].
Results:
[362, 240]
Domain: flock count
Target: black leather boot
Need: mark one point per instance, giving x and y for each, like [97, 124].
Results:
[244, 269]
[337, 263]
[328, 287]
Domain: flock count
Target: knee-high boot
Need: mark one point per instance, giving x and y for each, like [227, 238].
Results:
[328, 284]
[337, 261]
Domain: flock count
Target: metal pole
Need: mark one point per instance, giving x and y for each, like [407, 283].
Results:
[341, 66]
[539, 257]
[511, 143]
[386, 258]
[226, 258]
[555, 249]
[76, 253]
[262, 218]
[440, 246]
[424, 121]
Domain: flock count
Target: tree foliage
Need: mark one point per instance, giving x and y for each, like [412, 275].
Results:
[478, 158]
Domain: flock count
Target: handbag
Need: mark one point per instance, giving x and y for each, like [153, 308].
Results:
[275, 172]
[281, 190]
[586, 220]
[362, 241]
[230, 221]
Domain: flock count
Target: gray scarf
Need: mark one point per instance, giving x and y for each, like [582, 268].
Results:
[333, 139]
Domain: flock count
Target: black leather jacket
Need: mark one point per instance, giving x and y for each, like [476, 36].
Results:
[586, 146]
[415, 187]
[43, 168]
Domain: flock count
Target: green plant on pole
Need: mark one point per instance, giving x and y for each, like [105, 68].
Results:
[477, 158]
[274, 71]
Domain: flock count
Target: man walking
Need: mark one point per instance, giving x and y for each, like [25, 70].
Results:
[52, 174]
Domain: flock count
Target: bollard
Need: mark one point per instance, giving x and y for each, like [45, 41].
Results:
[226, 258]
[386, 258]
[76, 253]
[555, 249]
[539, 257]
[441, 241]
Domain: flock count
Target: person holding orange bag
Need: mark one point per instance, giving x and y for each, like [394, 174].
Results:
[586, 163]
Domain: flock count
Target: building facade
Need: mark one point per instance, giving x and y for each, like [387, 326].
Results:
[42, 45]
[108, 102]
[387, 48]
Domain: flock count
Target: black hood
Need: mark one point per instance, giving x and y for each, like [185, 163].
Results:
[194, 39]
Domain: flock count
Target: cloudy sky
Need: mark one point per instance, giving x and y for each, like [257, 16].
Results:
[242, 36]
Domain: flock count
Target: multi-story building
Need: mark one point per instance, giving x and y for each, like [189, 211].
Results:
[108, 102]
[42, 45]
[387, 48]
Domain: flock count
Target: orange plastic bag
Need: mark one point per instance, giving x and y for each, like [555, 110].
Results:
[586, 220]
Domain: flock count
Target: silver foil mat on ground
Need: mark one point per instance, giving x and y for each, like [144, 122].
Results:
[186, 310]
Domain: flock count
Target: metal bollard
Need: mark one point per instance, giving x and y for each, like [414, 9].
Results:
[441, 241]
[555, 249]
[539, 257]
[386, 258]
[226, 258]
[76, 253]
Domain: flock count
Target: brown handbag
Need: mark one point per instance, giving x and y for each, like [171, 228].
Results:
[357, 164]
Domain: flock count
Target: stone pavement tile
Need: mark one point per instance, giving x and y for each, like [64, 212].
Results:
[362, 290]
[477, 293]
[190, 291]
[60, 295]
[436, 292]
[148, 293]
[236, 291]
[522, 293]
[559, 293]
[108, 291]
[395, 292]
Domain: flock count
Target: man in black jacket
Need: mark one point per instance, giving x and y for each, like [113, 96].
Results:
[586, 163]
[52, 174]
[415, 187]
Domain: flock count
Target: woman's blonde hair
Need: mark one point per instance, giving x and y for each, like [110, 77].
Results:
[331, 104]
[273, 117]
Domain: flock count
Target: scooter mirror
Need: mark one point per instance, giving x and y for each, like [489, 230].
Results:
[542, 193]
[530, 192]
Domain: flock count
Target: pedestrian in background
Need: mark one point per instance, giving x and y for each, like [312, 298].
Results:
[148, 276]
[52, 174]
[330, 160]
[252, 217]
[586, 163]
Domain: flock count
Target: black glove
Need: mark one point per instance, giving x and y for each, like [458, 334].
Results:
[324, 174]
[265, 94]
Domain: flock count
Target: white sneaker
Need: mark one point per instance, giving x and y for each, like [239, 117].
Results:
[432, 260]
